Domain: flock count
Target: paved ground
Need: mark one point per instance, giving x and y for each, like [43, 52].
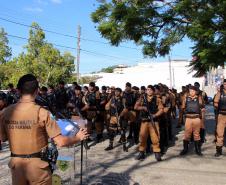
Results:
[119, 168]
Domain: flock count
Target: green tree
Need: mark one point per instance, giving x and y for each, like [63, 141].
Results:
[109, 69]
[40, 59]
[5, 54]
[159, 25]
[5, 50]
[36, 40]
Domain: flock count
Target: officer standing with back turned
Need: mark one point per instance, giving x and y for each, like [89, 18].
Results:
[27, 127]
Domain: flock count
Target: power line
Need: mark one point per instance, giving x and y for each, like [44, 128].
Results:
[73, 48]
[62, 34]
[71, 36]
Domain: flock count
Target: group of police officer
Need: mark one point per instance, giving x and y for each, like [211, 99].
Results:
[139, 115]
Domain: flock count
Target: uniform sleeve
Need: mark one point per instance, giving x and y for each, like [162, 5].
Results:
[183, 102]
[108, 105]
[160, 107]
[160, 104]
[201, 102]
[3, 134]
[217, 98]
[50, 124]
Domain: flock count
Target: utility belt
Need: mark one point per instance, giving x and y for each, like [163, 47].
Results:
[223, 112]
[193, 116]
[148, 120]
[34, 155]
[92, 108]
[48, 154]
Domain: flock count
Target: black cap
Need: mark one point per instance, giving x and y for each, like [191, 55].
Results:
[224, 80]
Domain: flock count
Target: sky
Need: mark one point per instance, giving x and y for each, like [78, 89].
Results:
[64, 16]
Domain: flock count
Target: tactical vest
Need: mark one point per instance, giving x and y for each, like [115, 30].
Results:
[103, 97]
[130, 99]
[42, 100]
[78, 102]
[151, 105]
[61, 98]
[12, 97]
[91, 98]
[192, 106]
[222, 103]
[119, 106]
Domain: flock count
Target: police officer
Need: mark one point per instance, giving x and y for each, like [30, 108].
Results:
[3, 104]
[204, 96]
[163, 120]
[115, 107]
[220, 105]
[27, 127]
[180, 98]
[76, 102]
[91, 101]
[103, 102]
[42, 97]
[52, 98]
[142, 90]
[129, 115]
[12, 94]
[150, 107]
[61, 99]
[192, 106]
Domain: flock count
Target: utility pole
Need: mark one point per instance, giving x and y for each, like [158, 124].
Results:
[170, 73]
[78, 53]
[173, 78]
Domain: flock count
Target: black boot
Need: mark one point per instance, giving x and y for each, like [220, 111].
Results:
[130, 136]
[99, 137]
[185, 150]
[125, 149]
[158, 156]
[202, 135]
[198, 148]
[0, 145]
[110, 147]
[120, 140]
[141, 156]
[148, 146]
[218, 151]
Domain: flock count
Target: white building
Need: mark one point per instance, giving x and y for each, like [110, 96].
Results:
[151, 73]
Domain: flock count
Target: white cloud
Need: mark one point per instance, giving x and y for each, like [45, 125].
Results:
[56, 1]
[33, 9]
[41, 2]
